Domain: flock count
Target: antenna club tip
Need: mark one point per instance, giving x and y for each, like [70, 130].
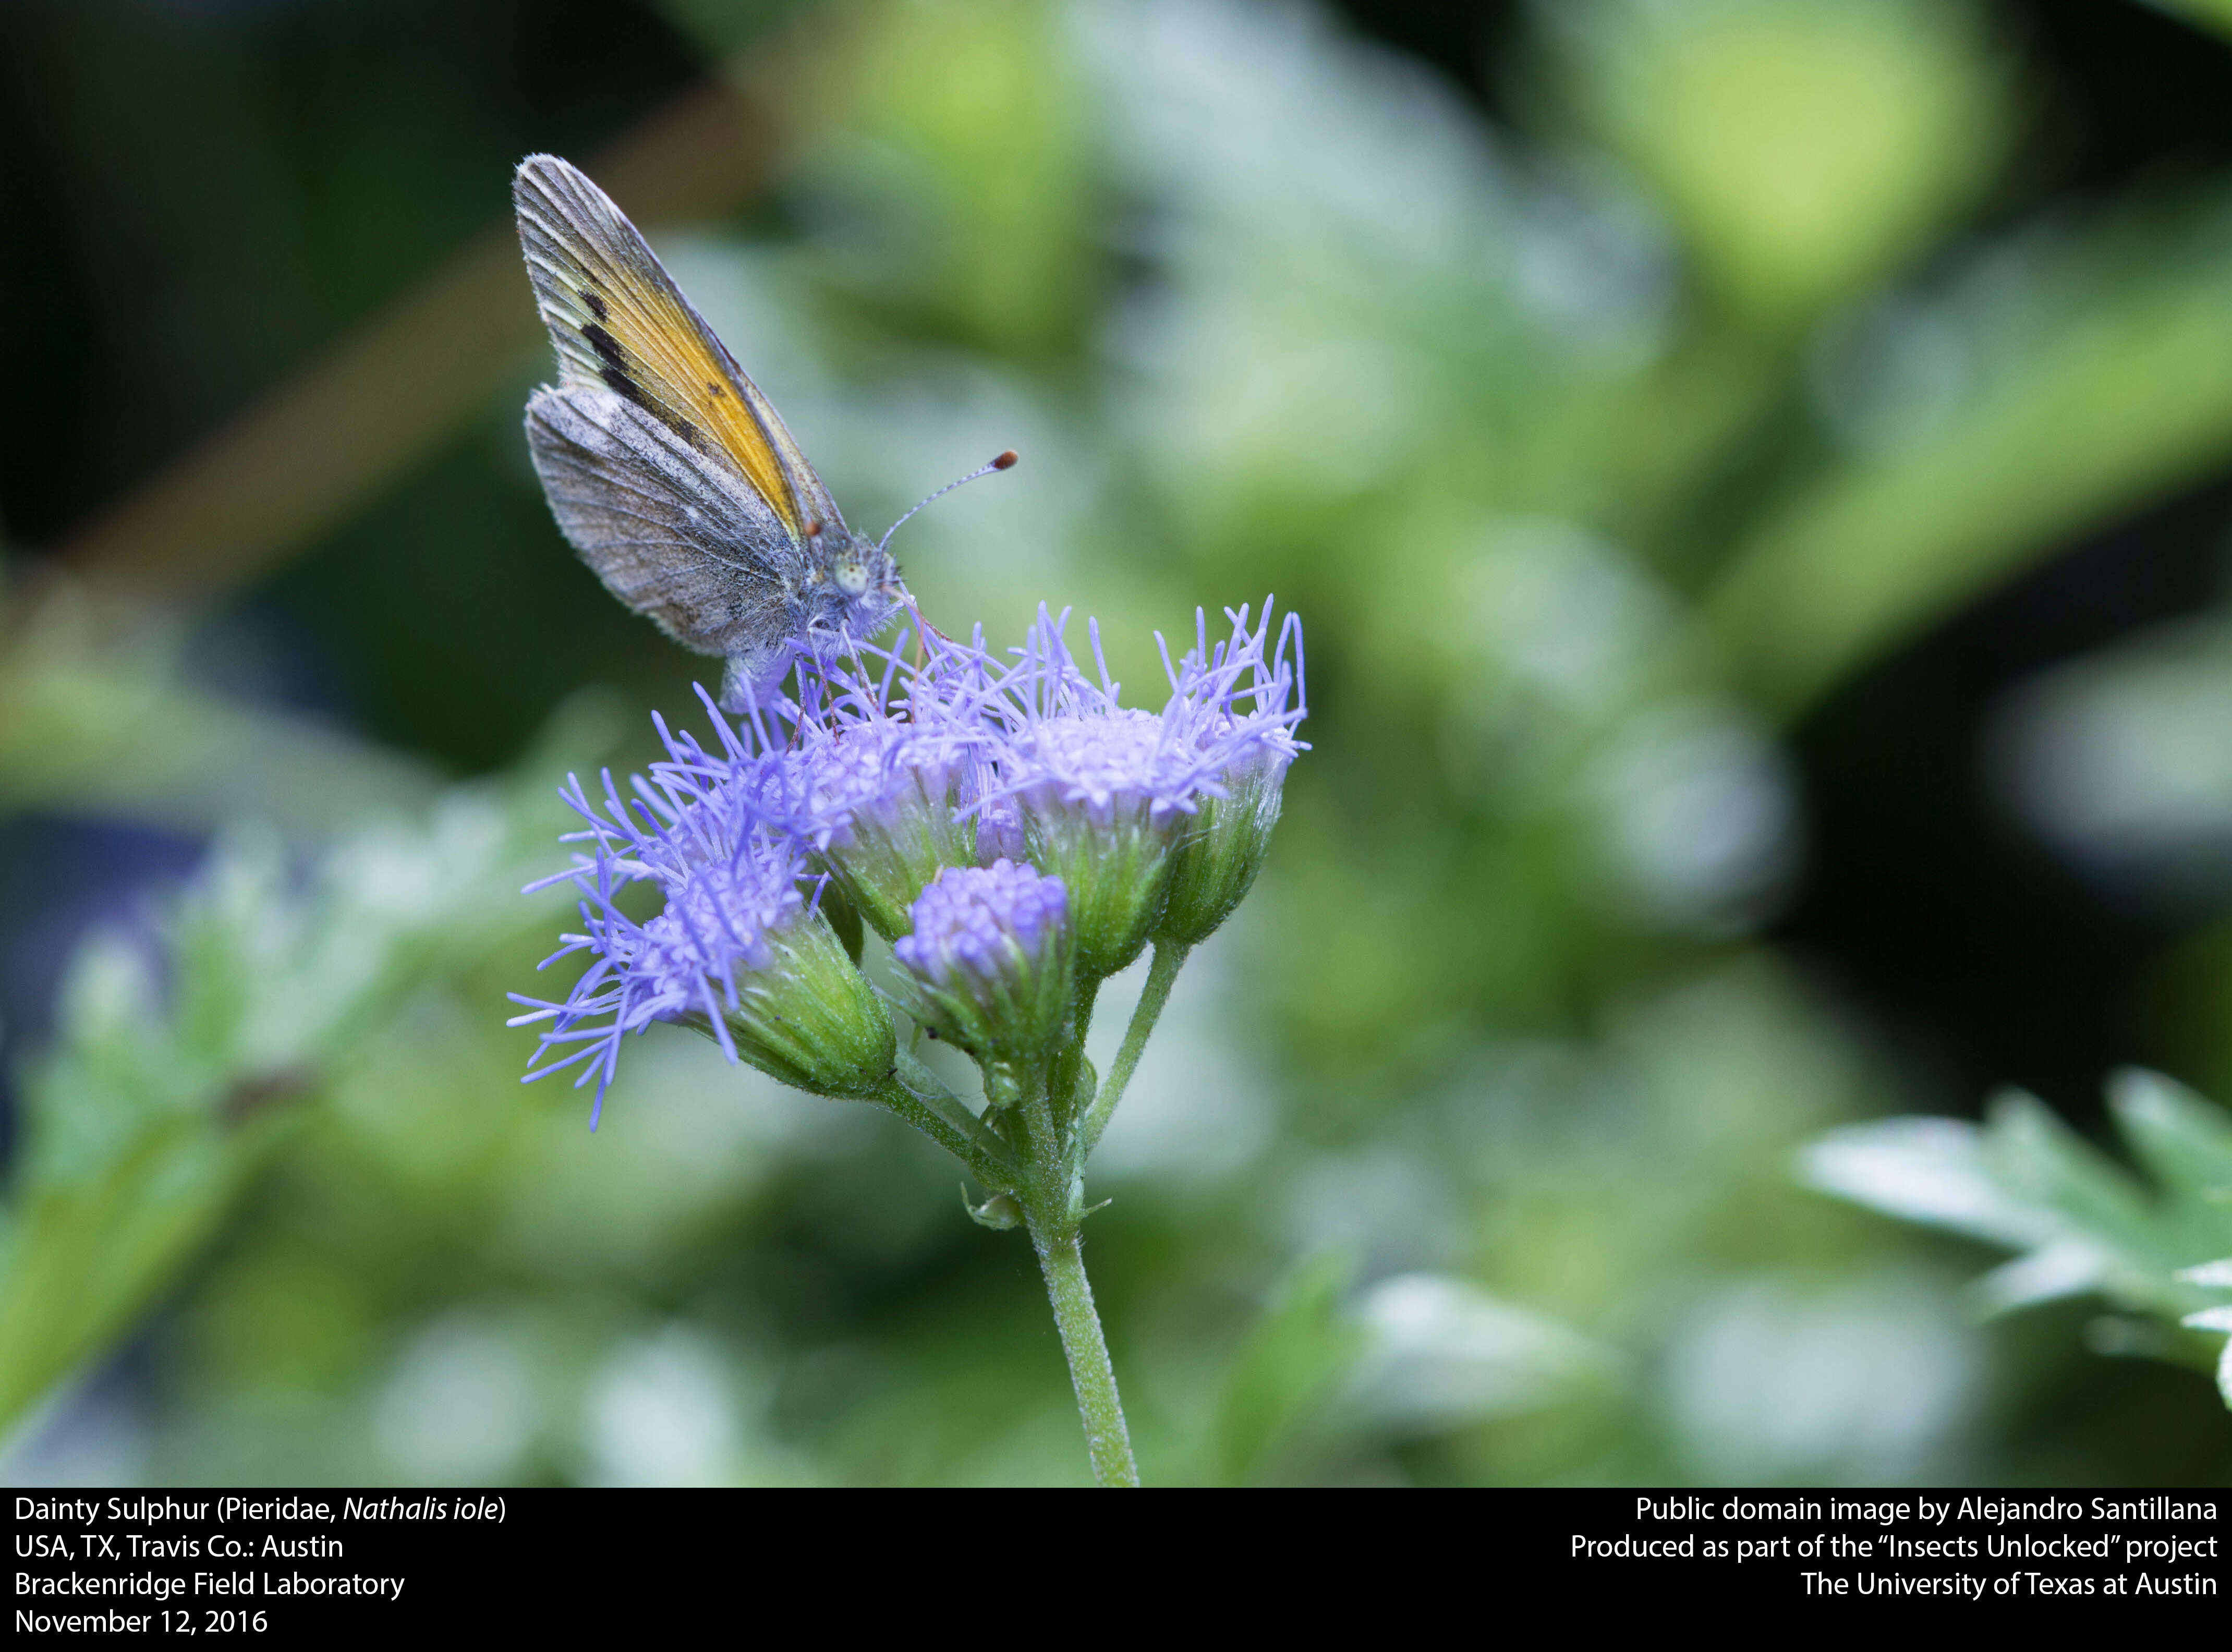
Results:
[1007, 460]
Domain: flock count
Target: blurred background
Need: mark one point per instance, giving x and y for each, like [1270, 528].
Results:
[1757, 477]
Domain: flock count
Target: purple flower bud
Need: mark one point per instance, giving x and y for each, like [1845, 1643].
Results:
[989, 958]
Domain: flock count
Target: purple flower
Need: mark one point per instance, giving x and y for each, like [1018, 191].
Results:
[989, 958]
[1106, 793]
[1243, 698]
[887, 779]
[1244, 705]
[1073, 751]
[736, 950]
[978, 920]
[889, 755]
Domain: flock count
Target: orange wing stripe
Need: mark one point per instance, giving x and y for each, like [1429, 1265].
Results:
[619, 320]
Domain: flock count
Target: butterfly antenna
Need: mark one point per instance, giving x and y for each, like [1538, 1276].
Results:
[1004, 461]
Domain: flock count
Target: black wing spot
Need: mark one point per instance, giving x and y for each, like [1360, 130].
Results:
[596, 306]
[606, 347]
[614, 371]
[714, 388]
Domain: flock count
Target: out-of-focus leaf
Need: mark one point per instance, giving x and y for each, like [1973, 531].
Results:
[1444, 1354]
[2093, 374]
[2083, 1223]
[1926, 1170]
[1449, 338]
[1804, 147]
[118, 734]
[2213, 1276]
[1292, 1361]
[960, 130]
[2065, 1269]
[2122, 760]
[2184, 1140]
[177, 1055]
[1416, 1355]
[2217, 1319]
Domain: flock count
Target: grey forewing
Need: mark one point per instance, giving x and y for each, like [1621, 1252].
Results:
[675, 534]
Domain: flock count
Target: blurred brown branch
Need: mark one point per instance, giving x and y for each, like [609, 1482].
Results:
[318, 445]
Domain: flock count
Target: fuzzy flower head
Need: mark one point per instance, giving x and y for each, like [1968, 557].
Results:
[989, 958]
[1106, 794]
[1076, 753]
[737, 947]
[1242, 699]
[886, 755]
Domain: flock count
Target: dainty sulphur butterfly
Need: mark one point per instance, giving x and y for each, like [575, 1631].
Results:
[670, 472]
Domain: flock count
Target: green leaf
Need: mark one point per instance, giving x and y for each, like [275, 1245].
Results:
[2184, 1141]
[2044, 1163]
[1290, 1364]
[2079, 1222]
[1931, 1170]
[2084, 400]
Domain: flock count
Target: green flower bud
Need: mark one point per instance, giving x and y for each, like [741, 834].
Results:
[810, 1018]
[1117, 872]
[1216, 861]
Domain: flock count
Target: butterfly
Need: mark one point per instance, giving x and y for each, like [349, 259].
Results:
[667, 469]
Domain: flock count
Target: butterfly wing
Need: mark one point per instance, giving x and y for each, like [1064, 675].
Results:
[665, 524]
[621, 325]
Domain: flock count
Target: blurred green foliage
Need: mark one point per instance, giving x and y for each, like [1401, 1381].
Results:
[2082, 1223]
[1590, 451]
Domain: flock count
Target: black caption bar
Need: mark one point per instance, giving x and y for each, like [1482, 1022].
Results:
[277, 1565]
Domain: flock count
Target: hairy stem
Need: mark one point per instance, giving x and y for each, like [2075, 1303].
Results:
[1069, 1057]
[1170, 957]
[1107, 1441]
[1050, 1210]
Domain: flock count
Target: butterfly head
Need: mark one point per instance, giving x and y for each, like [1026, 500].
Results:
[860, 579]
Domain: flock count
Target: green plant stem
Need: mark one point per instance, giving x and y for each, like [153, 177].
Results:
[917, 1095]
[1051, 1213]
[1170, 958]
[1061, 1259]
[1069, 1057]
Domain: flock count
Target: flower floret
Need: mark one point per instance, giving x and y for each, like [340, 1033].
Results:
[972, 920]
[989, 958]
